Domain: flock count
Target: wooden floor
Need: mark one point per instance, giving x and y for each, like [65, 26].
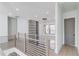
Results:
[65, 50]
[68, 51]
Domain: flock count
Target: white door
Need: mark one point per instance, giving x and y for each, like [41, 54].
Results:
[69, 31]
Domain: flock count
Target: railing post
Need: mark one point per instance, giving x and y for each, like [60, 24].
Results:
[48, 46]
[25, 42]
[18, 35]
[15, 40]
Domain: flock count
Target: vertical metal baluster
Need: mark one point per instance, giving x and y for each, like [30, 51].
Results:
[25, 42]
[47, 46]
[18, 35]
[15, 39]
[18, 38]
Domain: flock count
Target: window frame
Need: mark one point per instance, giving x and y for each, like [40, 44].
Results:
[49, 29]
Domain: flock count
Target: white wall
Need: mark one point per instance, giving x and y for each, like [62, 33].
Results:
[22, 25]
[30, 10]
[3, 29]
[77, 37]
[59, 28]
[3, 24]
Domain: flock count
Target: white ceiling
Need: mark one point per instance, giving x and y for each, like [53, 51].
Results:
[38, 9]
[69, 6]
[32, 9]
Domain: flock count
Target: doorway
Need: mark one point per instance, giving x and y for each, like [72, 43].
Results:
[12, 27]
[69, 31]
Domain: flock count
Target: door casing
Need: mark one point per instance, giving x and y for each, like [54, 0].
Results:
[73, 18]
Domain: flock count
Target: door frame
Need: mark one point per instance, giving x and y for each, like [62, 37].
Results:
[64, 30]
[8, 25]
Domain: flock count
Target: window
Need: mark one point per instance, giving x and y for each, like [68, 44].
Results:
[50, 29]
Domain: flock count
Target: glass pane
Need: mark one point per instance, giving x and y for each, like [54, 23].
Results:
[52, 29]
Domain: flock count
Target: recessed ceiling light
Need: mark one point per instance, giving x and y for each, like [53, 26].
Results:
[17, 9]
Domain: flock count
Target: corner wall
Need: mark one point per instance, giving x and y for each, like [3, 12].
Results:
[22, 25]
[3, 24]
[59, 27]
[59, 16]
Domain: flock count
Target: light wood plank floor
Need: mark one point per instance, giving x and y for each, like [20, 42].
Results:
[66, 51]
